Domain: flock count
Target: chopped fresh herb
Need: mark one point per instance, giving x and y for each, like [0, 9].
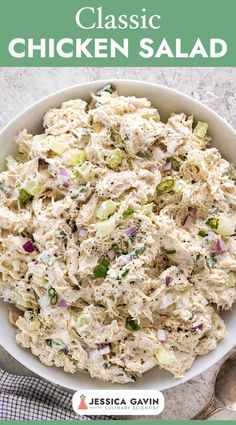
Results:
[83, 190]
[125, 273]
[170, 251]
[1, 275]
[63, 234]
[138, 251]
[213, 223]
[138, 225]
[165, 186]
[211, 261]
[128, 212]
[49, 342]
[131, 325]
[101, 269]
[108, 88]
[202, 233]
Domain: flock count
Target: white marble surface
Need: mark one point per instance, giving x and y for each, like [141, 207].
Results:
[214, 87]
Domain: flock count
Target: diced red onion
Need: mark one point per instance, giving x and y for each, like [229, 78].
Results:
[162, 335]
[219, 246]
[187, 221]
[167, 167]
[62, 303]
[196, 327]
[29, 247]
[83, 232]
[104, 349]
[131, 230]
[64, 172]
[166, 301]
[111, 254]
[66, 185]
[168, 280]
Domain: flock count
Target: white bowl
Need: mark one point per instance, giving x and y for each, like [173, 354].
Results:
[167, 101]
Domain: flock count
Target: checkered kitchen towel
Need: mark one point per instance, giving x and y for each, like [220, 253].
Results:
[23, 397]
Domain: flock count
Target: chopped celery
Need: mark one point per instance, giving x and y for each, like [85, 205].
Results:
[82, 321]
[30, 191]
[105, 228]
[34, 189]
[106, 209]
[147, 209]
[37, 280]
[231, 281]
[76, 158]
[24, 197]
[115, 158]
[11, 163]
[57, 147]
[34, 324]
[200, 130]
[84, 171]
[165, 357]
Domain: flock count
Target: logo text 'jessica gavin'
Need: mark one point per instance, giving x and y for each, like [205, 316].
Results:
[109, 402]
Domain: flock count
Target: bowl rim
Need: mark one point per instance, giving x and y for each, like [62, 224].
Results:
[219, 354]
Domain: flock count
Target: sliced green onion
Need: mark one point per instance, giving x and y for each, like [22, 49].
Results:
[213, 223]
[108, 88]
[128, 212]
[101, 269]
[165, 186]
[131, 325]
[54, 299]
[125, 273]
[51, 292]
[202, 233]
[170, 251]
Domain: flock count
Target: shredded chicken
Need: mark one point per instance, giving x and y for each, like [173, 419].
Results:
[117, 239]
